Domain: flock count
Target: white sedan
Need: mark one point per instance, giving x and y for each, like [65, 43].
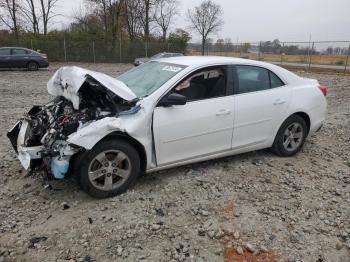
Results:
[163, 114]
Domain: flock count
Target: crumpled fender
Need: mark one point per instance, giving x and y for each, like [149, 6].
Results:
[135, 125]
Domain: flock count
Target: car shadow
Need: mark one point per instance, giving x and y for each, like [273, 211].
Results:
[253, 156]
[68, 188]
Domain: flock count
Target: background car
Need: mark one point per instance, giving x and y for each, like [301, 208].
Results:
[142, 60]
[18, 57]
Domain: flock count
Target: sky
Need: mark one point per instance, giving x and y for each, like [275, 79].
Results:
[262, 20]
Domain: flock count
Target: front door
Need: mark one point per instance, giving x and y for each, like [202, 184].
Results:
[201, 127]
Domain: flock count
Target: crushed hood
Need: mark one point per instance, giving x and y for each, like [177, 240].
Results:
[68, 80]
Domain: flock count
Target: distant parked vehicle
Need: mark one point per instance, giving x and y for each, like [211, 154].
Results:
[18, 57]
[142, 60]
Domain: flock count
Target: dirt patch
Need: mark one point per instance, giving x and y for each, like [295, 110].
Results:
[229, 208]
[231, 255]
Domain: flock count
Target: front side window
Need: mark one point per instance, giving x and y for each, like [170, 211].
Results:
[19, 52]
[149, 77]
[203, 84]
[5, 51]
[253, 79]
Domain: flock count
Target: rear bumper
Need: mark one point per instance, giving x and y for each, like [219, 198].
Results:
[318, 117]
[316, 127]
[44, 64]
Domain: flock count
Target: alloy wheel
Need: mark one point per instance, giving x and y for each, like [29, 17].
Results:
[293, 137]
[109, 169]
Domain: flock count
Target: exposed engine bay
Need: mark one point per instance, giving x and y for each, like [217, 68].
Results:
[58, 119]
[40, 137]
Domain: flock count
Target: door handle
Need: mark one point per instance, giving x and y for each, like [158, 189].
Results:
[223, 112]
[279, 102]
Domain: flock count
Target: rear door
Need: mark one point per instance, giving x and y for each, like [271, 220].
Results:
[19, 57]
[5, 58]
[261, 100]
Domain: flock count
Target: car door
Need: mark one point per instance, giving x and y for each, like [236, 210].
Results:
[5, 58]
[19, 57]
[202, 126]
[261, 99]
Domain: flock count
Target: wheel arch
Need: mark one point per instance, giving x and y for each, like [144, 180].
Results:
[301, 114]
[138, 146]
[32, 61]
[306, 118]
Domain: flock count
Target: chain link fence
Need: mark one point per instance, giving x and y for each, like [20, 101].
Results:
[323, 54]
[66, 49]
[327, 54]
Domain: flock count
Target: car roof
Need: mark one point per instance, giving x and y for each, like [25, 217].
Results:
[16, 47]
[207, 60]
[202, 61]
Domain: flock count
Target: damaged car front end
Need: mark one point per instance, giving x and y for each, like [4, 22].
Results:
[41, 138]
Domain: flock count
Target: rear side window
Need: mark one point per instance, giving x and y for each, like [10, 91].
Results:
[253, 79]
[5, 51]
[19, 52]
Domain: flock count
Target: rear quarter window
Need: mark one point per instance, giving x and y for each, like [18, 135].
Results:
[275, 80]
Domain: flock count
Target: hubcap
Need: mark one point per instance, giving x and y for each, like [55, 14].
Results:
[293, 137]
[109, 169]
[32, 66]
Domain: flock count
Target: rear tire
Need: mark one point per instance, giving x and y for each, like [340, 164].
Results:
[33, 66]
[109, 169]
[290, 137]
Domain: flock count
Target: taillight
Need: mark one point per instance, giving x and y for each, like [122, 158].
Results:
[323, 89]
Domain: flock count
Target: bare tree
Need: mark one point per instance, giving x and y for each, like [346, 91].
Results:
[145, 16]
[47, 12]
[133, 18]
[29, 11]
[114, 9]
[102, 10]
[206, 19]
[9, 11]
[165, 12]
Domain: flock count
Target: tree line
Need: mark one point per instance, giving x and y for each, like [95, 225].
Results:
[268, 47]
[20, 16]
[113, 20]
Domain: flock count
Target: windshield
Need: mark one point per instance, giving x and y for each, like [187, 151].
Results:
[149, 77]
[157, 56]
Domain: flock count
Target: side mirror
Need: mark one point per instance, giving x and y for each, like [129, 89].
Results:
[173, 100]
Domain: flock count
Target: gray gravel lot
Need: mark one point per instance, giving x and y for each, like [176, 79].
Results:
[251, 207]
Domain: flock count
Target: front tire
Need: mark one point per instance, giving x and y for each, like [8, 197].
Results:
[290, 137]
[109, 169]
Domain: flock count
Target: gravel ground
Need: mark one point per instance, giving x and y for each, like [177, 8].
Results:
[251, 207]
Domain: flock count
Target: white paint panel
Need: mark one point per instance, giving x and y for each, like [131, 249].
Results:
[195, 129]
